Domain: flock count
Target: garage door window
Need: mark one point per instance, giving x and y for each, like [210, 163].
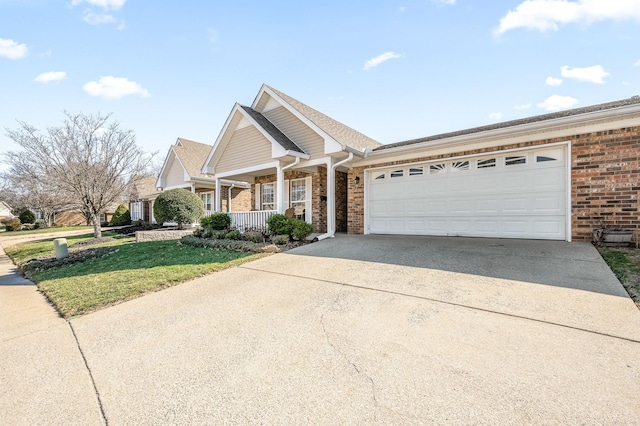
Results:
[485, 164]
[460, 166]
[515, 160]
[542, 159]
[436, 168]
[397, 173]
[380, 176]
[416, 171]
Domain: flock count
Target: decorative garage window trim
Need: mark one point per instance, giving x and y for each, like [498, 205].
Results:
[460, 166]
[544, 158]
[382, 176]
[397, 173]
[486, 156]
[515, 160]
[416, 171]
[486, 163]
[436, 168]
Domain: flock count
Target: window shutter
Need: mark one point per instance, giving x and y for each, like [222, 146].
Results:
[258, 196]
[307, 198]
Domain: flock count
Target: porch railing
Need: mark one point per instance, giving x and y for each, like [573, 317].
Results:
[244, 221]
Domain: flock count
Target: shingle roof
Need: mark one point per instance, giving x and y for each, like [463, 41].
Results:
[144, 187]
[513, 123]
[270, 128]
[192, 155]
[343, 134]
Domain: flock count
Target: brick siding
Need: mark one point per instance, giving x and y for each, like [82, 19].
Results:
[605, 174]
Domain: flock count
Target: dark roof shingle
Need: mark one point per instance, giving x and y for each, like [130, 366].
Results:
[272, 130]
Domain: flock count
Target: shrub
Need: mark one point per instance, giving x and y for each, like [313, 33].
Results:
[40, 224]
[216, 222]
[13, 225]
[121, 216]
[233, 235]
[218, 234]
[178, 205]
[234, 245]
[279, 224]
[280, 239]
[27, 226]
[254, 236]
[27, 216]
[301, 229]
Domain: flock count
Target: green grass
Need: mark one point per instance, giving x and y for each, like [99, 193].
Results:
[45, 231]
[625, 264]
[135, 269]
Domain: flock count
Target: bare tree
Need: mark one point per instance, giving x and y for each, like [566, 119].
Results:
[88, 159]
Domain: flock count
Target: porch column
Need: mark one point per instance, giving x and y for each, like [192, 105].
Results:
[280, 190]
[152, 218]
[193, 188]
[218, 196]
[331, 196]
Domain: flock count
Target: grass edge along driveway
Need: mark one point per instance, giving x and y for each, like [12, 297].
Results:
[122, 270]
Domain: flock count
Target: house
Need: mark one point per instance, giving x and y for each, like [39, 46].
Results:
[142, 195]
[5, 211]
[181, 169]
[553, 176]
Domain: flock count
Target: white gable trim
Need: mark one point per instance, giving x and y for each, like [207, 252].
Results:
[330, 144]
[161, 177]
[277, 150]
[258, 167]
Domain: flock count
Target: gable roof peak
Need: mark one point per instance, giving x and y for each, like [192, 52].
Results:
[341, 133]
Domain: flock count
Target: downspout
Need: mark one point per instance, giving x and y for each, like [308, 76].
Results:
[331, 206]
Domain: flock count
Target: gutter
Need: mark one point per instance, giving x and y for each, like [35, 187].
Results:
[332, 232]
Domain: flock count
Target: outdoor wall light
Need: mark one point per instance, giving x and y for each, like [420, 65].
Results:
[323, 198]
[357, 180]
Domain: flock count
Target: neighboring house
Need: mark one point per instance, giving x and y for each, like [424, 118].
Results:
[74, 217]
[141, 198]
[553, 176]
[5, 211]
[181, 169]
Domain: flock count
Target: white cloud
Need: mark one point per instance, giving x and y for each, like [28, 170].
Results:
[637, 64]
[557, 102]
[374, 62]
[12, 50]
[522, 106]
[105, 4]
[92, 18]
[552, 81]
[594, 74]
[495, 115]
[547, 15]
[114, 88]
[47, 77]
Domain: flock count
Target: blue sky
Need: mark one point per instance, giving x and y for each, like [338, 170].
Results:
[392, 69]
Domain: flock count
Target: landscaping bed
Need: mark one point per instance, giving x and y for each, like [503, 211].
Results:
[625, 264]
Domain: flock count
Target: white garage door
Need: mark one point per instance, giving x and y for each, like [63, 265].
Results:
[511, 195]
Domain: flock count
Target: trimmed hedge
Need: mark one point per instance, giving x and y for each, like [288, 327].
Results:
[178, 205]
[216, 222]
[121, 216]
[27, 216]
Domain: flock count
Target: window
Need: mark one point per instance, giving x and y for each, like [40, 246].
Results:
[436, 168]
[397, 173]
[460, 166]
[485, 164]
[103, 217]
[542, 159]
[267, 196]
[206, 200]
[380, 176]
[298, 197]
[416, 171]
[517, 159]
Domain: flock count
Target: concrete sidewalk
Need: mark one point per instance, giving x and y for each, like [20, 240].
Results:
[43, 376]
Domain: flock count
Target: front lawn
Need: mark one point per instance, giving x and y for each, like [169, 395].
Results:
[119, 269]
[625, 263]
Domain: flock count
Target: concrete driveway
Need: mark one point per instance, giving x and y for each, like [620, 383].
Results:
[371, 329]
